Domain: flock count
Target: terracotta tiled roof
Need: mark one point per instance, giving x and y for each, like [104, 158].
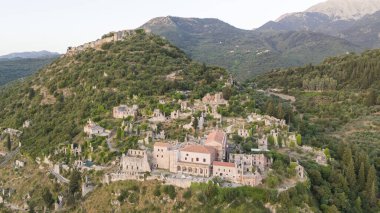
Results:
[199, 149]
[216, 136]
[225, 164]
[162, 144]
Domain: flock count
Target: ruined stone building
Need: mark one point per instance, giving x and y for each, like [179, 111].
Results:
[124, 111]
[250, 161]
[133, 165]
[91, 128]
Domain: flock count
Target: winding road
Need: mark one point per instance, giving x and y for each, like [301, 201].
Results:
[59, 177]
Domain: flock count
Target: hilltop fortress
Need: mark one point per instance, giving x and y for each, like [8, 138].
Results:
[107, 38]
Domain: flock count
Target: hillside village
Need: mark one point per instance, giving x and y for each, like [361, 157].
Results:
[189, 114]
[209, 155]
[207, 151]
[179, 141]
[221, 137]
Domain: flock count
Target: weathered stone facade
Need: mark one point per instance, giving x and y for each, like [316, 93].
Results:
[218, 140]
[124, 111]
[259, 161]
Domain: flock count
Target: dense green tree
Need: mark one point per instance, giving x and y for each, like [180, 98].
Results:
[371, 98]
[371, 186]
[358, 205]
[326, 151]
[118, 133]
[195, 123]
[361, 177]
[8, 143]
[75, 182]
[279, 141]
[227, 92]
[31, 93]
[269, 108]
[47, 197]
[187, 194]
[299, 139]
[349, 169]
[271, 142]
[332, 209]
[157, 191]
[280, 111]
[170, 190]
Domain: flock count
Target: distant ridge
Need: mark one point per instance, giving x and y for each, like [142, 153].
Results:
[31, 55]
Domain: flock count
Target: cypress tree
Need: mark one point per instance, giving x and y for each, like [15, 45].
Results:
[8, 143]
[269, 108]
[75, 182]
[280, 111]
[371, 98]
[118, 133]
[47, 197]
[349, 169]
[371, 186]
[361, 177]
[195, 123]
[358, 205]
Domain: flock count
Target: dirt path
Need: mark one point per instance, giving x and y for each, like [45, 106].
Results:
[289, 98]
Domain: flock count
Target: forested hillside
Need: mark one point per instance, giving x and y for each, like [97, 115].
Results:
[337, 107]
[13, 69]
[60, 98]
[351, 71]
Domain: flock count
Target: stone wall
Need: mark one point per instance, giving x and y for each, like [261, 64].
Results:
[111, 37]
[183, 183]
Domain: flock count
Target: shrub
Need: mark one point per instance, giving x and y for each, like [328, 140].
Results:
[157, 191]
[170, 190]
[133, 198]
[187, 194]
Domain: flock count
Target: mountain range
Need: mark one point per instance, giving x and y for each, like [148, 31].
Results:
[245, 52]
[334, 27]
[355, 21]
[331, 28]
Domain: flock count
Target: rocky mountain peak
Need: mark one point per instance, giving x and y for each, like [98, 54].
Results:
[346, 9]
[167, 20]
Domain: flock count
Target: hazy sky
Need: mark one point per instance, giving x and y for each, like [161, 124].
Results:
[29, 25]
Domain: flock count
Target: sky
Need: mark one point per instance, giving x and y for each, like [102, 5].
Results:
[54, 25]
